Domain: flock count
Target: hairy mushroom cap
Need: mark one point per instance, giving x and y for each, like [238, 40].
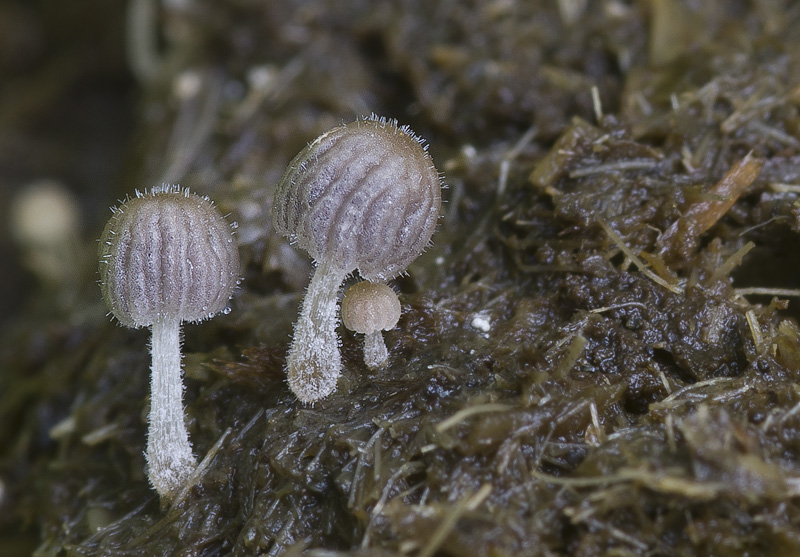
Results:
[364, 196]
[167, 253]
[368, 307]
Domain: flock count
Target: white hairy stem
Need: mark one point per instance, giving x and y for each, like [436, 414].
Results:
[375, 353]
[170, 462]
[314, 363]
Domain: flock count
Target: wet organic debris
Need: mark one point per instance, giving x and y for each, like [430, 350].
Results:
[599, 354]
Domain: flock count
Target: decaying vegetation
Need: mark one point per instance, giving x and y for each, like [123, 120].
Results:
[599, 354]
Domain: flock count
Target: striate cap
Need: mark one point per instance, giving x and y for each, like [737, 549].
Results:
[167, 254]
[364, 196]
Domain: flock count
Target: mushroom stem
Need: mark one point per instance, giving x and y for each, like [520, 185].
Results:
[169, 455]
[314, 362]
[375, 353]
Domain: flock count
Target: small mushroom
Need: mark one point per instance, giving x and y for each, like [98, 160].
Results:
[167, 256]
[45, 219]
[363, 196]
[369, 308]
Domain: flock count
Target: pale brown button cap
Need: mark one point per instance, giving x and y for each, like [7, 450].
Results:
[368, 307]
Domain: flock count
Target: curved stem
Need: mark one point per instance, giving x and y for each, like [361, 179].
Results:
[314, 363]
[169, 455]
[375, 353]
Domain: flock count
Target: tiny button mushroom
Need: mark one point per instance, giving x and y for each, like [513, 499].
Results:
[369, 308]
[167, 256]
[363, 196]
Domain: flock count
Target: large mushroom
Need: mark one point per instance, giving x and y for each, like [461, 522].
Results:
[363, 196]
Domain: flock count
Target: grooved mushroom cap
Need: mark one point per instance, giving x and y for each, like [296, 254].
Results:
[167, 253]
[368, 307]
[363, 196]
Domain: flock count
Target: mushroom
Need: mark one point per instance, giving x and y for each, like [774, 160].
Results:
[363, 196]
[369, 308]
[167, 256]
[45, 220]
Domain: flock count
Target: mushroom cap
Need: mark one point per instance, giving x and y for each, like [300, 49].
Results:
[167, 254]
[44, 213]
[363, 196]
[368, 307]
